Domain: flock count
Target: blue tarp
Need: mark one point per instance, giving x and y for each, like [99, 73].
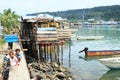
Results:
[11, 38]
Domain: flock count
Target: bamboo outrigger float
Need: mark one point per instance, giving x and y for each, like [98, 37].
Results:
[100, 52]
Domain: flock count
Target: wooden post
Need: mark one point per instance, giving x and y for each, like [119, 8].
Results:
[55, 52]
[47, 58]
[53, 57]
[51, 52]
[58, 54]
[38, 53]
[62, 53]
[69, 52]
[45, 52]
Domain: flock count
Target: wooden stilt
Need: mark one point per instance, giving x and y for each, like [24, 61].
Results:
[62, 53]
[55, 52]
[51, 52]
[47, 58]
[69, 52]
[58, 54]
[45, 52]
[38, 53]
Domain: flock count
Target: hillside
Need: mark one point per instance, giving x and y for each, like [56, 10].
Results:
[98, 13]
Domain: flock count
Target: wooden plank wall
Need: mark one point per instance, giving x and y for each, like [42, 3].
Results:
[55, 35]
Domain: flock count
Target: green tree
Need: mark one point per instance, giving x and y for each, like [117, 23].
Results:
[9, 20]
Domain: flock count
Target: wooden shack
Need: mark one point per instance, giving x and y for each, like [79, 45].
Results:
[37, 32]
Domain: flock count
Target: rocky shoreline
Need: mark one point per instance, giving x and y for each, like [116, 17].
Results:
[49, 71]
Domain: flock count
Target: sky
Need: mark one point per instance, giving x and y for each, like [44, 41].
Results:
[23, 7]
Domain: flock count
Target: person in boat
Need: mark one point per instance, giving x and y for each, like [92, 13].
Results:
[18, 54]
[85, 50]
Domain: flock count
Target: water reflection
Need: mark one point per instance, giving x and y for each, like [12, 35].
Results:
[111, 75]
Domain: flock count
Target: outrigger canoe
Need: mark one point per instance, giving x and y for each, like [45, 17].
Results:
[112, 63]
[100, 52]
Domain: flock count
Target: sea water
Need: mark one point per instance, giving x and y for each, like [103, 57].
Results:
[89, 68]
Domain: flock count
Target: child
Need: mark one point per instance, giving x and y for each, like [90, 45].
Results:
[18, 54]
[12, 59]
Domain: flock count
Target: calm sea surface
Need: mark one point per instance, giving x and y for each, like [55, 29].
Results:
[89, 68]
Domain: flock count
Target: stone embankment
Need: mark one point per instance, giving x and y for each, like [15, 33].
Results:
[49, 71]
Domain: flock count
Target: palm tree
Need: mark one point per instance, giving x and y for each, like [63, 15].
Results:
[9, 20]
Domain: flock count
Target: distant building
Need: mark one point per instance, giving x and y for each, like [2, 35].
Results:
[91, 20]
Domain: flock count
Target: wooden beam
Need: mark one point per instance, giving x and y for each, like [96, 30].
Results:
[66, 30]
[46, 36]
[46, 32]
[25, 39]
[46, 39]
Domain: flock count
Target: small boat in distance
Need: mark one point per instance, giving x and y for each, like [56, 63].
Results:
[112, 63]
[100, 52]
[89, 37]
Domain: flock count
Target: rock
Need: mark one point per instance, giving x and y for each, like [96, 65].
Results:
[69, 78]
[34, 72]
[46, 69]
[56, 78]
[38, 77]
[51, 77]
[29, 66]
[42, 75]
[61, 69]
[68, 74]
[60, 75]
[54, 65]
[49, 71]
[36, 66]
[55, 69]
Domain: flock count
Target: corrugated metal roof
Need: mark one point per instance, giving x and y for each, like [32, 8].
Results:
[28, 17]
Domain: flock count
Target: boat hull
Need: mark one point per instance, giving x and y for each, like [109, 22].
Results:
[89, 37]
[102, 53]
[112, 63]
